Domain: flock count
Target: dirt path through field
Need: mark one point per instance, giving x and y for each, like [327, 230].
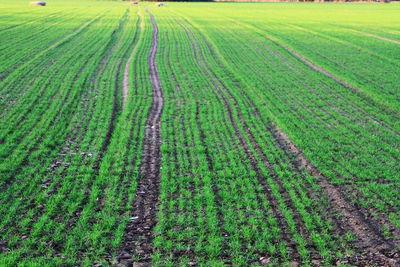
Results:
[139, 237]
[116, 104]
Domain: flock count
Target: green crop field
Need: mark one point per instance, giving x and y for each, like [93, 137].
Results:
[199, 134]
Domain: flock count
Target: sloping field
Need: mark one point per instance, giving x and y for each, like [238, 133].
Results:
[199, 134]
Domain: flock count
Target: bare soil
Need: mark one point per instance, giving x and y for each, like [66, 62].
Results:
[139, 232]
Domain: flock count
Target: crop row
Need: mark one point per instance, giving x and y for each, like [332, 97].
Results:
[274, 149]
[68, 188]
[292, 227]
[322, 122]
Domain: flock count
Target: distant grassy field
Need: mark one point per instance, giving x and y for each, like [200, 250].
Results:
[199, 134]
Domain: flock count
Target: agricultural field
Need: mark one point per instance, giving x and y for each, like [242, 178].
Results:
[199, 134]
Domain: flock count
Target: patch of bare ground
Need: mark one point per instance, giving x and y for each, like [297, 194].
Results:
[373, 248]
[139, 235]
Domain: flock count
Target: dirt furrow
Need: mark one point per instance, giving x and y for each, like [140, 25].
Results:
[312, 65]
[116, 105]
[30, 21]
[326, 73]
[351, 219]
[306, 61]
[356, 108]
[380, 38]
[379, 250]
[242, 141]
[113, 45]
[139, 232]
[125, 81]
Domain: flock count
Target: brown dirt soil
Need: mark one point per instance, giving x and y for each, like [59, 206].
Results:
[139, 234]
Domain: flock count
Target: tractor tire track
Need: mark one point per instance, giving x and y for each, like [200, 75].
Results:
[355, 108]
[379, 251]
[350, 105]
[242, 141]
[316, 67]
[301, 228]
[202, 135]
[368, 236]
[345, 43]
[114, 44]
[107, 51]
[365, 230]
[139, 237]
[380, 37]
[125, 81]
[116, 105]
[30, 21]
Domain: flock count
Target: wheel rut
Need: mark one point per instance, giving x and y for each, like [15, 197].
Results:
[380, 38]
[116, 105]
[139, 232]
[125, 81]
[313, 66]
[379, 251]
[372, 247]
[231, 107]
